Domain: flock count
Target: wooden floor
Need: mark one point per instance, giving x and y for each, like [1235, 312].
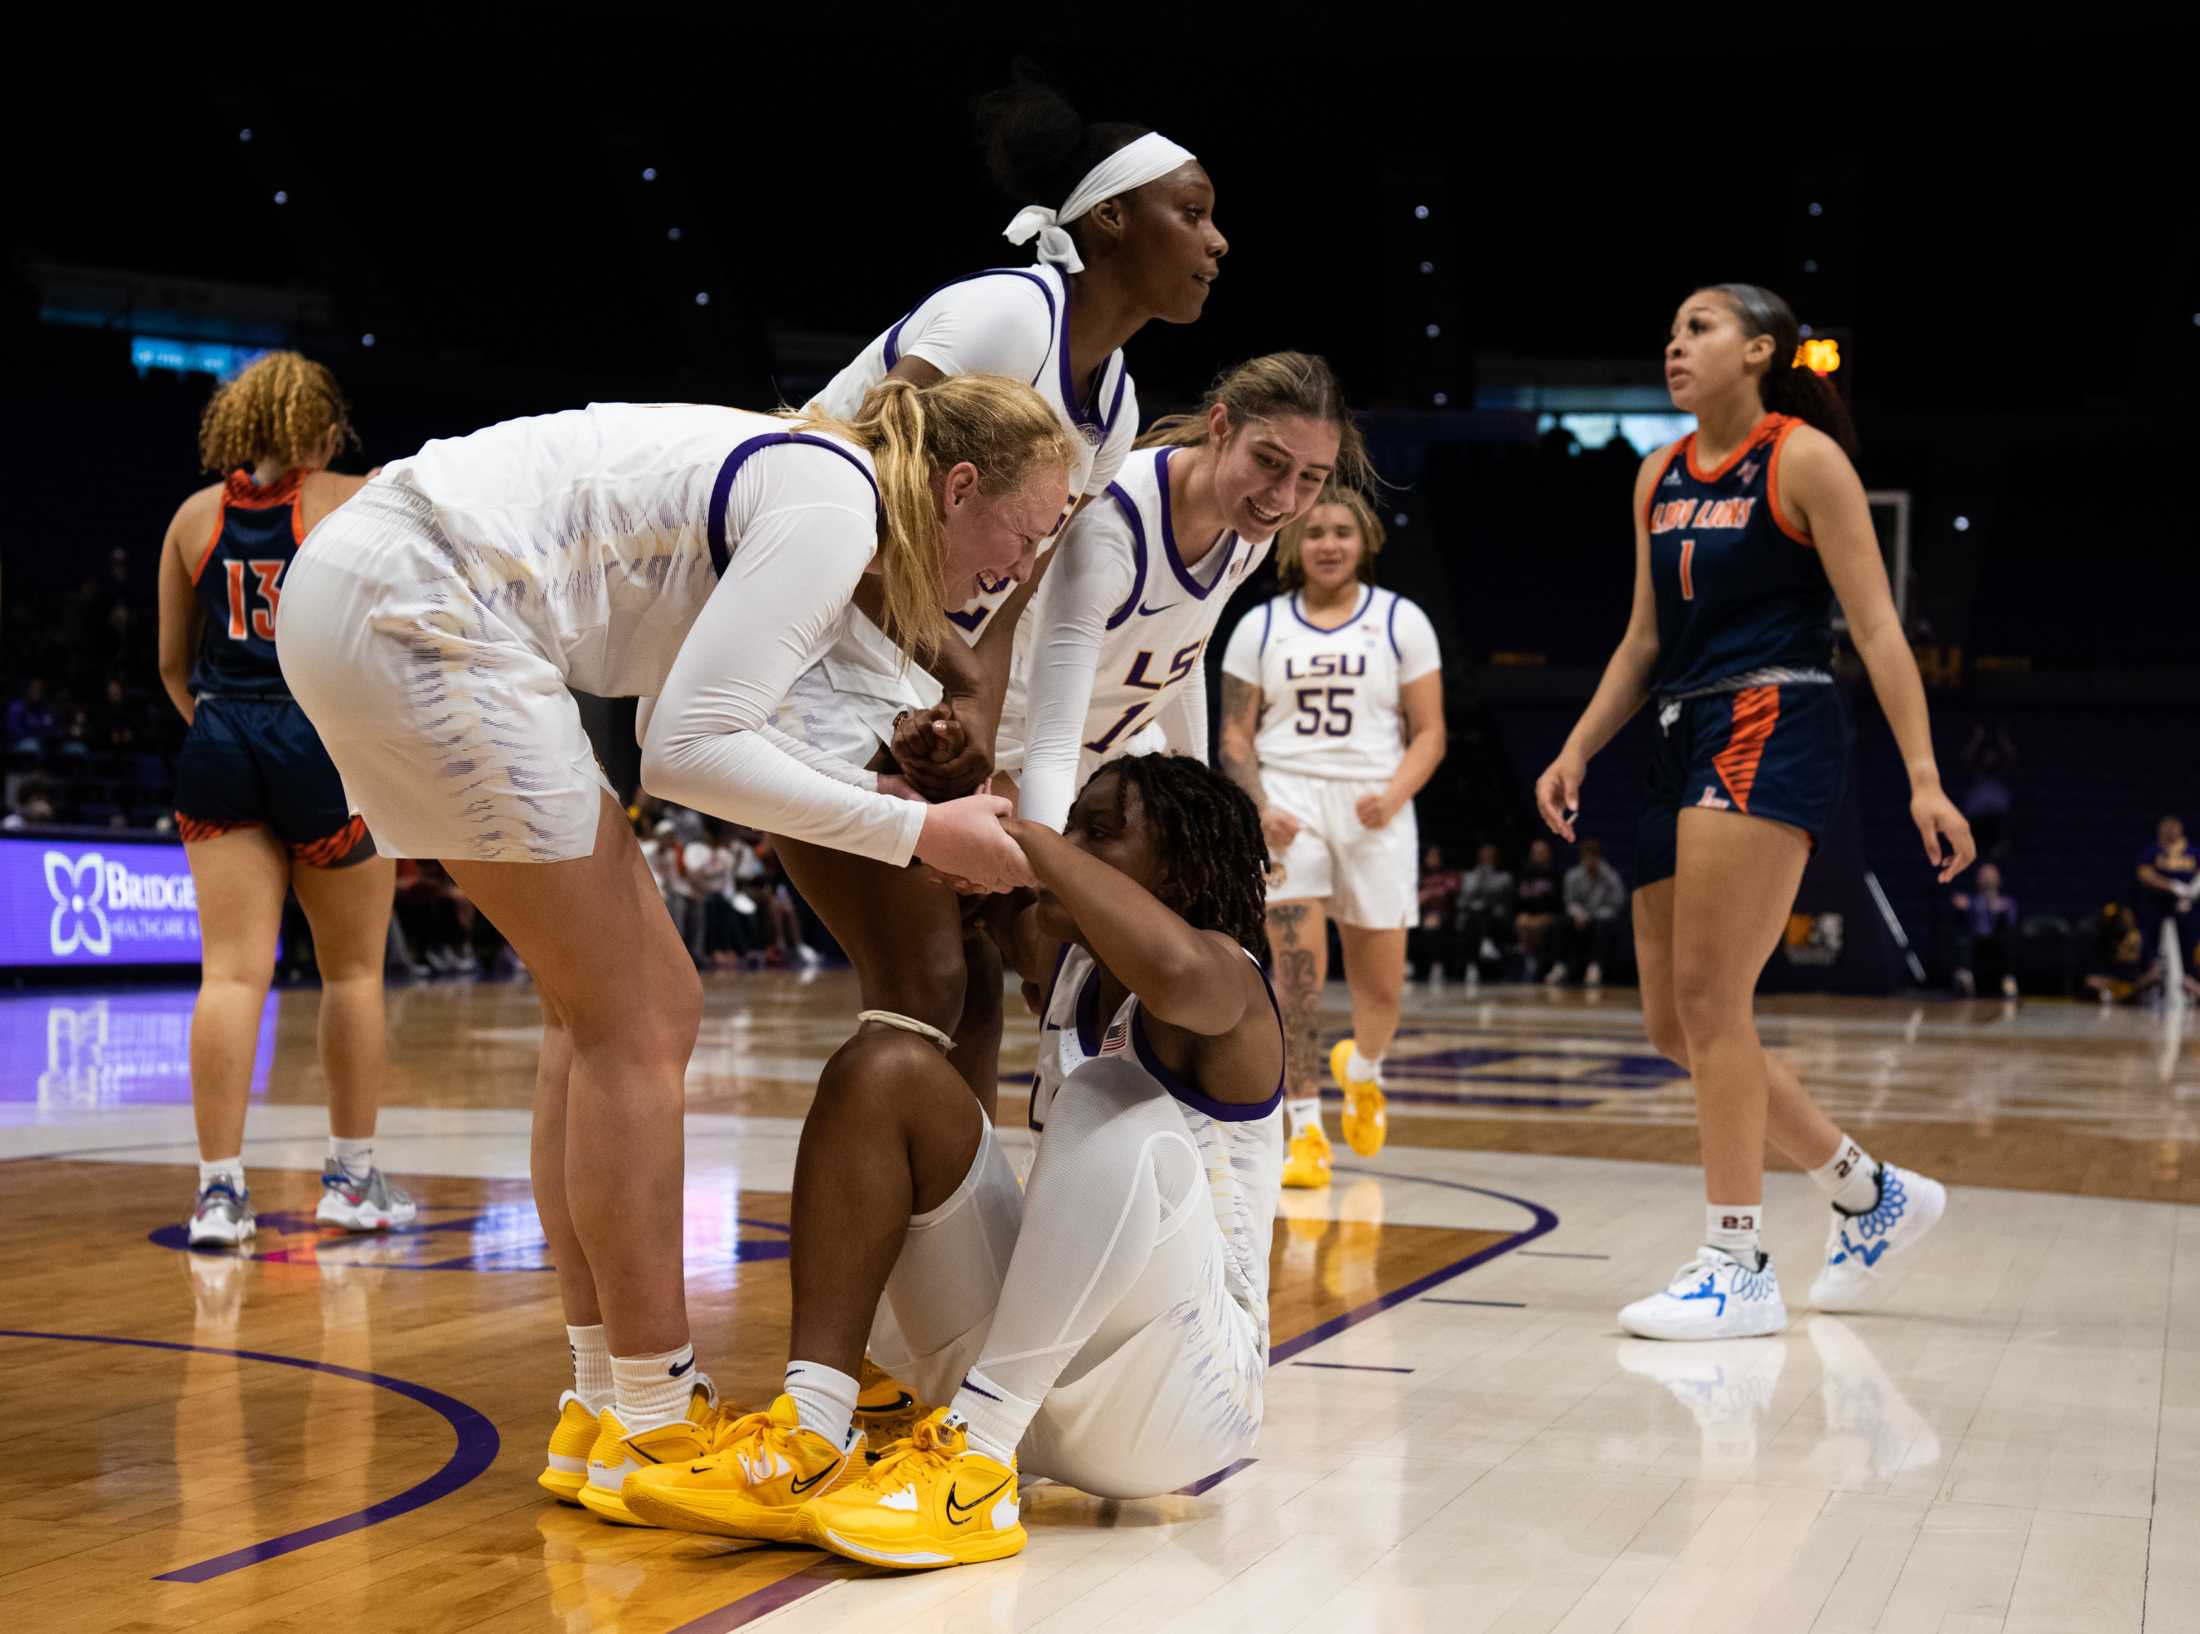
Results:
[341, 1432]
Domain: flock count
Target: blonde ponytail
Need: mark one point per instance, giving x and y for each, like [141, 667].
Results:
[281, 408]
[913, 433]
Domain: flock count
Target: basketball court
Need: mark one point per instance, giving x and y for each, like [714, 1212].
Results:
[341, 1431]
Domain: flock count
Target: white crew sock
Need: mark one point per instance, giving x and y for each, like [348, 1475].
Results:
[824, 1400]
[591, 1366]
[354, 1157]
[1732, 1229]
[1849, 1177]
[1304, 1114]
[652, 1390]
[993, 1416]
[1359, 1066]
[230, 1169]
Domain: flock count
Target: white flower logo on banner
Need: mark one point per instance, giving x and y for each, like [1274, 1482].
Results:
[79, 913]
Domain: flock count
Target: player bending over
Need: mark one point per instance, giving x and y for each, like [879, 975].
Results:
[1108, 1325]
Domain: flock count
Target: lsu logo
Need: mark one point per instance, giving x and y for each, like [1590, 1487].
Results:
[1324, 665]
[79, 904]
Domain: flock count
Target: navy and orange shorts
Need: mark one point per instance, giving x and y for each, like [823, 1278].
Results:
[1766, 751]
[253, 761]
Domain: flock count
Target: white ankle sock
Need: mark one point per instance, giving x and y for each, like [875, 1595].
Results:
[994, 1417]
[1359, 1066]
[230, 1169]
[1732, 1228]
[1304, 1114]
[652, 1390]
[1849, 1177]
[354, 1157]
[824, 1400]
[591, 1366]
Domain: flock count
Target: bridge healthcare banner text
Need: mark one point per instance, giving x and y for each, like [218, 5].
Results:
[84, 902]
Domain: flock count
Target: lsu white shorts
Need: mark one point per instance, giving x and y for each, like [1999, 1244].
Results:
[1369, 876]
[455, 734]
[1137, 1421]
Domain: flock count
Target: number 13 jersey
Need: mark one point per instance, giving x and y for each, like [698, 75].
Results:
[1329, 698]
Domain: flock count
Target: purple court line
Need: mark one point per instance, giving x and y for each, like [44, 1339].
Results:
[1355, 1367]
[475, 1452]
[759, 1602]
[1554, 1254]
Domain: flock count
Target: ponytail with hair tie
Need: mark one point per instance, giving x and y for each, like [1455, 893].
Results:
[1789, 388]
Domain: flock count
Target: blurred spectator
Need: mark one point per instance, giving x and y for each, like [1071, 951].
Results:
[1538, 901]
[2118, 966]
[1432, 943]
[76, 737]
[1486, 894]
[442, 927]
[1594, 926]
[787, 946]
[1986, 934]
[1991, 759]
[34, 805]
[2169, 883]
[116, 720]
[31, 721]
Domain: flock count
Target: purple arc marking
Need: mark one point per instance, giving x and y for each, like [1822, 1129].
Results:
[475, 1452]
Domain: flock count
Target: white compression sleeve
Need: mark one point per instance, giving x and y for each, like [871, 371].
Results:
[707, 744]
[1094, 573]
[840, 771]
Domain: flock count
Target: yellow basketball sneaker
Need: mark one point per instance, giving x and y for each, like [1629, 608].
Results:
[755, 1482]
[929, 1502]
[1365, 1123]
[566, 1472]
[1306, 1160]
[616, 1455]
[886, 1410]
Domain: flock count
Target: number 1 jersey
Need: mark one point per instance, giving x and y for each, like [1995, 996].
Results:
[1329, 702]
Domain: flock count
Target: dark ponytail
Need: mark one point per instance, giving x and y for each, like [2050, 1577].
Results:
[1806, 394]
[1036, 146]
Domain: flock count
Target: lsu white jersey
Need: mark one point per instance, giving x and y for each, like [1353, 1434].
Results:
[1010, 321]
[601, 531]
[1241, 1145]
[1329, 702]
[1122, 575]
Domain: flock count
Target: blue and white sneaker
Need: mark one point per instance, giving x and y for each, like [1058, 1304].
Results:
[1713, 1296]
[1859, 1246]
[222, 1216]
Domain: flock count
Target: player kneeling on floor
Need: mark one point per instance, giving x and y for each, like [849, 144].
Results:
[1107, 1326]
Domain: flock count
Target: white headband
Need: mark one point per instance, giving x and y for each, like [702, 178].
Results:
[1149, 158]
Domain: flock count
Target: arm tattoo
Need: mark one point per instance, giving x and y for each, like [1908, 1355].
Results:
[1240, 720]
[1299, 998]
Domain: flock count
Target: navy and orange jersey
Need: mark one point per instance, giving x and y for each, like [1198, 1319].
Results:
[1738, 590]
[239, 580]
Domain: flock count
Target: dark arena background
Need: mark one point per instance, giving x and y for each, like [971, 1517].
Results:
[1991, 236]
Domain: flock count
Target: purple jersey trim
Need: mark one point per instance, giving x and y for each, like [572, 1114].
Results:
[721, 548]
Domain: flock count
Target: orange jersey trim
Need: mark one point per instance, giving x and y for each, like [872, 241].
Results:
[331, 849]
[240, 490]
[1756, 712]
[194, 830]
[221, 521]
[1650, 505]
[1769, 426]
[1772, 486]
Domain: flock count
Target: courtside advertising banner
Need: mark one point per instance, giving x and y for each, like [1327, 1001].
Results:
[111, 901]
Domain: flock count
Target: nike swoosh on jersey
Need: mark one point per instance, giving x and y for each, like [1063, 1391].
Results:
[1152, 612]
[968, 1509]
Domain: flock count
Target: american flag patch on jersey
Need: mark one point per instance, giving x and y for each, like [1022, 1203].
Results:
[1116, 1037]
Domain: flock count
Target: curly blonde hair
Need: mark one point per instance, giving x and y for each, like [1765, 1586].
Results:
[1291, 573]
[1001, 426]
[282, 407]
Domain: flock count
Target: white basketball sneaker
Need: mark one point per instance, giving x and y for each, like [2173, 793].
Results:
[1859, 1246]
[1713, 1296]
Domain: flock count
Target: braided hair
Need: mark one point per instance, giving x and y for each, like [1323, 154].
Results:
[1207, 835]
